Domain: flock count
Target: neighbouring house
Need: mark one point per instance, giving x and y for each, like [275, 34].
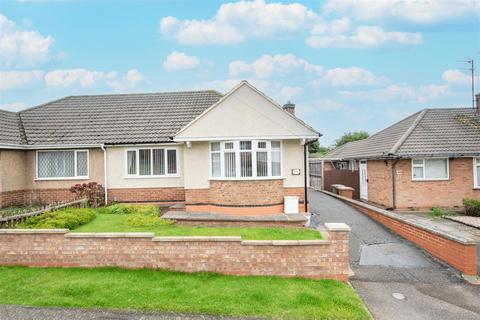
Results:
[429, 159]
[238, 153]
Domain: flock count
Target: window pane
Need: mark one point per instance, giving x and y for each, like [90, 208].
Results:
[436, 169]
[275, 144]
[245, 145]
[82, 164]
[131, 162]
[216, 146]
[144, 158]
[246, 164]
[229, 145]
[262, 169]
[59, 164]
[172, 161]
[216, 164]
[478, 176]
[229, 164]
[418, 162]
[417, 172]
[276, 165]
[158, 161]
[262, 145]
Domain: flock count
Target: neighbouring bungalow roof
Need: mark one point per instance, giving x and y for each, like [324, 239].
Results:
[453, 132]
[105, 119]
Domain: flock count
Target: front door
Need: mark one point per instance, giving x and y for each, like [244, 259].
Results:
[363, 180]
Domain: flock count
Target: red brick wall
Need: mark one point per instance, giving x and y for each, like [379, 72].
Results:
[147, 195]
[245, 197]
[230, 255]
[11, 198]
[380, 182]
[428, 194]
[45, 196]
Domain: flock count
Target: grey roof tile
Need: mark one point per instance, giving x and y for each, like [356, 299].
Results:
[110, 119]
[431, 132]
[10, 131]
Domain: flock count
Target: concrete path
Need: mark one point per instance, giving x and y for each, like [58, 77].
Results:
[36, 313]
[385, 264]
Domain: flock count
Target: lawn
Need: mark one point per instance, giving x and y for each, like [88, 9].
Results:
[201, 293]
[119, 223]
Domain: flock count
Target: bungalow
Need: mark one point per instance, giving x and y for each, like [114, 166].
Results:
[238, 153]
[429, 159]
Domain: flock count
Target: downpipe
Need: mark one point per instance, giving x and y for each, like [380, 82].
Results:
[394, 183]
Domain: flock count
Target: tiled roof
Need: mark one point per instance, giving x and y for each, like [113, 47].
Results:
[10, 131]
[109, 119]
[430, 132]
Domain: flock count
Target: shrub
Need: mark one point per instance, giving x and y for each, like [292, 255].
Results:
[437, 212]
[472, 207]
[93, 191]
[146, 220]
[116, 209]
[68, 218]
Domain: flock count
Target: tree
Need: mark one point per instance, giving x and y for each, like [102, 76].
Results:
[351, 136]
[313, 147]
[315, 150]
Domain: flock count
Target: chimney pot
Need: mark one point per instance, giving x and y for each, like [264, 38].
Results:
[289, 107]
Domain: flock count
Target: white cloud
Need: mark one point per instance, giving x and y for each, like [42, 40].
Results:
[419, 94]
[22, 47]
[457, 77]
[236, 21]
[129, 81]
[320, 105]
[87, 78]
[18, 79]
[180, 61]
[16, 106]
[268, 66]
[288, 93]
[353, 76]
[414, 11]
[362, 37]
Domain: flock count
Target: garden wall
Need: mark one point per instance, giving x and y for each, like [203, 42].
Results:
[326, 258]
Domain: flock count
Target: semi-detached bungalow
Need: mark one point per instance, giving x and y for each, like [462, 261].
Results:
[429, 159]
[238, 153]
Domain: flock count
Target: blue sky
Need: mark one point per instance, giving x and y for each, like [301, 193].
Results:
[348, 65]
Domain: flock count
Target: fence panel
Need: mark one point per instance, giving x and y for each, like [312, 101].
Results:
[348, 178]
[315, 173]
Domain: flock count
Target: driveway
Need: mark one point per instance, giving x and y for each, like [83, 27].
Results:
[385, 264]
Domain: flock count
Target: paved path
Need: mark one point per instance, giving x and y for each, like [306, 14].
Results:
[35, 313]
[385, 264]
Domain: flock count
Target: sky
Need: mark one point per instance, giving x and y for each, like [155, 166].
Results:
[348, 65]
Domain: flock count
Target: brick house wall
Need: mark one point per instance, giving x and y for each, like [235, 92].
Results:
[421, 195]
[169, 195]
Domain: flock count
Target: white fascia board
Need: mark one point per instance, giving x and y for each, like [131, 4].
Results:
[246, 138]
[42, 147]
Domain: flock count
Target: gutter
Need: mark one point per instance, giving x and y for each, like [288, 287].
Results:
[41, 147]
[105, 174]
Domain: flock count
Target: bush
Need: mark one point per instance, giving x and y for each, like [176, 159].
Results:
[437, 212]
[116, 209]
[472, 207]
[93, 191]
[146, 220]
[68, 218]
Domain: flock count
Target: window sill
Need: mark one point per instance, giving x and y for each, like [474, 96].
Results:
[430, 180]
[246, 178]
[61, 179]
[152, 177]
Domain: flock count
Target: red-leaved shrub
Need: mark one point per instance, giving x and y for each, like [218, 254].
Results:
[92, 191]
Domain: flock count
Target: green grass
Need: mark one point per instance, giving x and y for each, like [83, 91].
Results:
[118, 223]
[200, 293]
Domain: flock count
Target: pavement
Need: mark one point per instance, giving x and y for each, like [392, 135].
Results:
[49, 313]
[385, 265]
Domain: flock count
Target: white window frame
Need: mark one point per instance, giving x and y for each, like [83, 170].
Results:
[423, 166]
[476, 168]
[75, 177]
[237, 160]
[137, 163]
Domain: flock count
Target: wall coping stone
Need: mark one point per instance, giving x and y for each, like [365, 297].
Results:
[33, 231]
[198, 238]
[414, 223]
[111, 235]
[337, 226]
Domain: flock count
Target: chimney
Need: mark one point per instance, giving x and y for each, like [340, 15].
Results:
[290, 107]
[477, 102]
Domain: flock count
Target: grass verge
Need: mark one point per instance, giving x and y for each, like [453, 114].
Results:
[159, 290]
[120, 223]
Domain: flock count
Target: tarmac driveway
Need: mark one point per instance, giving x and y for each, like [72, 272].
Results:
[385, 264]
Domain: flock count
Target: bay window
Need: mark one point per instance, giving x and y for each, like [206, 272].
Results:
[430, 169]
[245, 159]
[476, 173]
[62, 164]
[151, 162]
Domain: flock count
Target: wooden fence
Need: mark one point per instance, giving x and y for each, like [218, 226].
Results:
[10, 221]
[323, 180]
[315, 173]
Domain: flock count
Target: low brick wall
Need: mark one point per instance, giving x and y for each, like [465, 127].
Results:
[459, 253]
[46, 196]
[326, 258]
[159, 195]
